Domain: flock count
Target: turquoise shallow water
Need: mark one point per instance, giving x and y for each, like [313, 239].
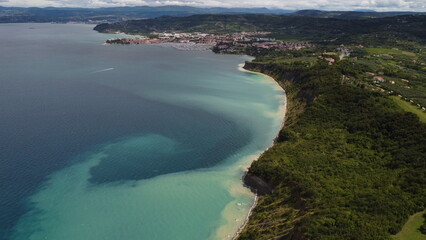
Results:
[125, 142]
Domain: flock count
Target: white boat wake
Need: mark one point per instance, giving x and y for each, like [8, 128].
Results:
[104, 70]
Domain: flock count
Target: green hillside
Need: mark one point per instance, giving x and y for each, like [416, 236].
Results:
[350, 164]
[333, 30]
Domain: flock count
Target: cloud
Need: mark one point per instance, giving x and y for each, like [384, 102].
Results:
[380, 5]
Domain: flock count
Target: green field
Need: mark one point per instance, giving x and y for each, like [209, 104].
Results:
[410, 108]
[410, 230]
[389, 51]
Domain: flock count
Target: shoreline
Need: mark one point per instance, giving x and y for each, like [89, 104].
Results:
[282, 110]
[280, 113]
[283, 102]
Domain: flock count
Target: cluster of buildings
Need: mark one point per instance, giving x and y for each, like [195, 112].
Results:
[377, 80]
[136, 40]
[223, 43]
[212, 39]
[258, 45]
[197, 38]
[380, 79]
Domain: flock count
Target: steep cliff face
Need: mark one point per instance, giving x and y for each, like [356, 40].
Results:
[293, 204]
[292, 80]
[280, 74]
[103, 28]
[257, 184]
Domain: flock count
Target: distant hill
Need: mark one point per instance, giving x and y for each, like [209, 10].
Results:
[380, 30]
[116, 14]
[350, 14]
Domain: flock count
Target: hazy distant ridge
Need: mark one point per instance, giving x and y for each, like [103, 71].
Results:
[117, 14]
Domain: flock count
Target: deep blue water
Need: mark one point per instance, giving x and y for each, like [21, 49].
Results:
[120, 115]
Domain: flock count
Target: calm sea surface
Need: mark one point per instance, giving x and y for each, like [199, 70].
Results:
[125, 142]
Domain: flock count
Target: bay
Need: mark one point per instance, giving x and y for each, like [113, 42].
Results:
[125, 142]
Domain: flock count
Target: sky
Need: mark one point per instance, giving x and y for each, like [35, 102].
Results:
[378, 5]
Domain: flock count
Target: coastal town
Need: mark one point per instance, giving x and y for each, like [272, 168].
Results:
[230, 43]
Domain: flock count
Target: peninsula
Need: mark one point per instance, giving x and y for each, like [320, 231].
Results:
[231, 43]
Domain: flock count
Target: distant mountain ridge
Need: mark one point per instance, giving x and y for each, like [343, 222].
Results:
[118, 14]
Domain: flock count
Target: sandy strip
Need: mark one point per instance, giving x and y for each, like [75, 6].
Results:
[281, 114]
[229, 214]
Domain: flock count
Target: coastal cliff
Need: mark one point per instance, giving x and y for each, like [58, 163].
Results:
[297, 99]
[338, 168]
[291, 80]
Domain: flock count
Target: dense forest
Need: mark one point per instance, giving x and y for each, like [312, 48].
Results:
[349, 164]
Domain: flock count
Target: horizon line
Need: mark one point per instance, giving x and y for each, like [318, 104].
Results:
[206, 7]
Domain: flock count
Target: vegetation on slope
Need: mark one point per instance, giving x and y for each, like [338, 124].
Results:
[349, 165]
[410, 108]
[378, 30]
[412, 229]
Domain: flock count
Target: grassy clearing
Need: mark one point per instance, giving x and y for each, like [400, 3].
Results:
[410, 230]
[410, 108]
[389, 51]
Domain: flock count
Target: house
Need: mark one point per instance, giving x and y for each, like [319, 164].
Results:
[329, 60]
[379, 79]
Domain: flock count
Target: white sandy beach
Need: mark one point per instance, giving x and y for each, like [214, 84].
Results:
[224, 231]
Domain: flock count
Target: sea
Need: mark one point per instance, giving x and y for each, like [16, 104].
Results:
[112, 142]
